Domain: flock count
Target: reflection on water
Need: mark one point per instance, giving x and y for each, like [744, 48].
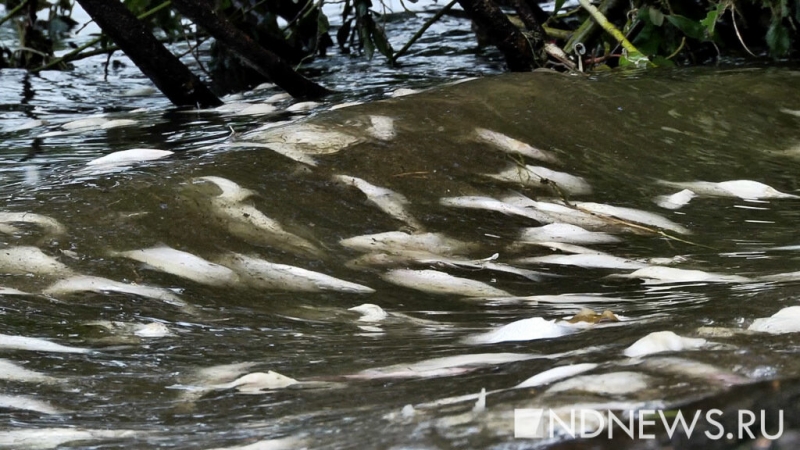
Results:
[353, 373]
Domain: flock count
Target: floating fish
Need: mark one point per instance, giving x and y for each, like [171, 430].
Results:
[441, 367]
[562, 213]
[381, 128]
[278, 98]
[12, 372]
[30, 260]
[47, 438]
[787, 320]
[661, 274]
[49, 225]
[614, 383]
[304, 139]
[689, 368]
[143, 330]
[28, 404]
[369, 312]
[676, 200]
[491, 204]
[388, 201]
[562, 232]
[435, 282]
[250, 224]
[523, 330]
[394, 241]
[562, 299]
[128, 157]
[555, 374]
[287, 443]
[513, 146]
[89, 122]
[560, 246]
[588, 261]
[542, 177]
[402, 92]
[81, 283]
[37, 345]
[117, 123]
[744, 189]
[632, 215]
[662, 341]
[257, 382]
[266, 275]
[182, 264]
[302, 107]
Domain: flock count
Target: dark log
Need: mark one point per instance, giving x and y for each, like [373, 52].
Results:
[171, 77]
[202, 13]
[516, 49]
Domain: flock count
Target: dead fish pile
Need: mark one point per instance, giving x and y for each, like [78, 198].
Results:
[250, 224]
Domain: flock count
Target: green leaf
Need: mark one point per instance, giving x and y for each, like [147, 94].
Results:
[778, 38]
[710, 22]
[691, 28]
[656, 16]
[322, 23]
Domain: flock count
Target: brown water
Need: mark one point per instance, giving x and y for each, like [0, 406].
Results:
[620, 134]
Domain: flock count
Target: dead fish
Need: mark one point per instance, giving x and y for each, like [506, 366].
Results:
[555, 374]
[302, 107]
[388, 201]
[117, 123]
[561, 213]
[266, 275]
[275, 98]
[287, 443]
[12, 372]
[560, 246]
[402, 92]
[695, 369]
[744, 189]
[567, 233]
[81, 283]
[542, 177]
[257, 382]
[523, 330]
[661, 274]
[28, 404]
[250, 224]
[491, 204]
[182, 264]
[562, 299]
[513, 146]
[369, 312]
[49, 225]
[435, 282]
[787, 320]
[614, 383]
[676, 200]
[37, 345]
[662, 341]
[143, 330]
[587, 261]
[285, 151]
[89, 122]
[47, 438]
[381, 128]
[30, 260]
[230, 190]
[127, 157]
[632, 215]
[393, 241]
[444, 366]
[304, 139]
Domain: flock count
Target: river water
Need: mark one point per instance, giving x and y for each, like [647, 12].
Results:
[620, 133]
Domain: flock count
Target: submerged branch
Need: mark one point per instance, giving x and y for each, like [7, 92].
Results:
[422, 31]
[13, 12]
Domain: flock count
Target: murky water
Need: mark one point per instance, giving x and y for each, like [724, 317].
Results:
[620, 134]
